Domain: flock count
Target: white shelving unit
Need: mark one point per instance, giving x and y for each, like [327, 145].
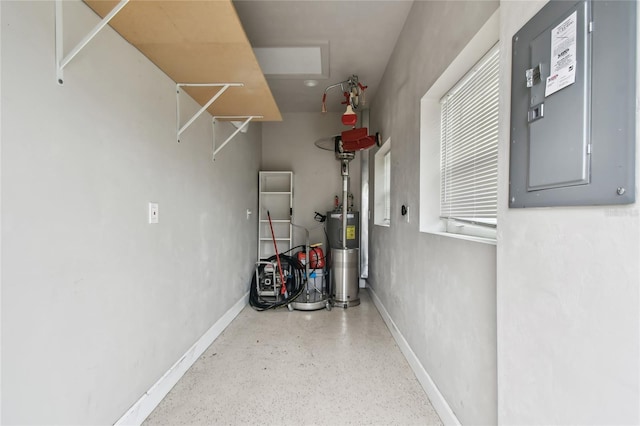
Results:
[276, 197]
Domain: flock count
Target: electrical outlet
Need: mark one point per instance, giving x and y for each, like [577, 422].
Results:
[153, 212]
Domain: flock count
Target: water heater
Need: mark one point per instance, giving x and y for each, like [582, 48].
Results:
[334, 229]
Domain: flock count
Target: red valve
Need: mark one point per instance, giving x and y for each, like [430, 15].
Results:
[346, 101]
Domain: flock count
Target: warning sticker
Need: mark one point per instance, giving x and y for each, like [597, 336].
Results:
[351, 232]
[562, 72]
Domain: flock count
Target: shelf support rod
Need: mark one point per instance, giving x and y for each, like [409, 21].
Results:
[63, 62]
[224, 86]
[244, 124]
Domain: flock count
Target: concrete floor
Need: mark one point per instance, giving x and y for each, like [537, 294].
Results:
[281, 367]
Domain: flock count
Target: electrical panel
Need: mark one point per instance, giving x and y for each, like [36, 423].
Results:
[573, 106]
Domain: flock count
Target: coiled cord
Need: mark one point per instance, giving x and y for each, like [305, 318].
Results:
[294, 282]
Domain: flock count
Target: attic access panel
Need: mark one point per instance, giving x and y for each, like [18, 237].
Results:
[573, 136]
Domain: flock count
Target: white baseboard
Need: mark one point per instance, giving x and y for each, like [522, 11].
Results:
[437, 399]
[150, 400]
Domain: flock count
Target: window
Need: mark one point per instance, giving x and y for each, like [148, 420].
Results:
[459, 143]
[382, 168]
[469, 147]
[387, 186]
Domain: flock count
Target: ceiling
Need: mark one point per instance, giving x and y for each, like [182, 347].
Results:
[360, 34]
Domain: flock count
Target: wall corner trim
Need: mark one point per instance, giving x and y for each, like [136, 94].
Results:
[437, 399]
[151, 398]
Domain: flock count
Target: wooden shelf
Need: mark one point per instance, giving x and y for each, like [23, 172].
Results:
[197, 42]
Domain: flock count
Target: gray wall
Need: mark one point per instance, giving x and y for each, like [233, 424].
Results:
[568, 296]
[558, 296]
[439, 291]
[289, 145]
[96, 303]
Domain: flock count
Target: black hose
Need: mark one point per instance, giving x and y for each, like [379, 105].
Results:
[295, 282]
[292, 249]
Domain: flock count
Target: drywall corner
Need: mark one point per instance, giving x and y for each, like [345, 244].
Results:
[568, 296]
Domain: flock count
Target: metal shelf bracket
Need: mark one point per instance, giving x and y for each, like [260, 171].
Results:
[61, 61]
[240, 127]
[224, 87]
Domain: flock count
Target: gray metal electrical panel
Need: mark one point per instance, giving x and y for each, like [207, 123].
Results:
[573, 106]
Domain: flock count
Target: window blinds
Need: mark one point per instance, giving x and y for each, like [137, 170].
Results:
[469, 145]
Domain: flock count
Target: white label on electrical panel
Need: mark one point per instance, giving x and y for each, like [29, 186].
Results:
[562, 71]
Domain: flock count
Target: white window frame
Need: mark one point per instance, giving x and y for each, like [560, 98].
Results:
[430, 126]
[382, 190]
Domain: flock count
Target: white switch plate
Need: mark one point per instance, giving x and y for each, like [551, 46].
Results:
[153, 212]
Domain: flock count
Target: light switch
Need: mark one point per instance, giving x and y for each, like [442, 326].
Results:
[153, 212]
[404, 212]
